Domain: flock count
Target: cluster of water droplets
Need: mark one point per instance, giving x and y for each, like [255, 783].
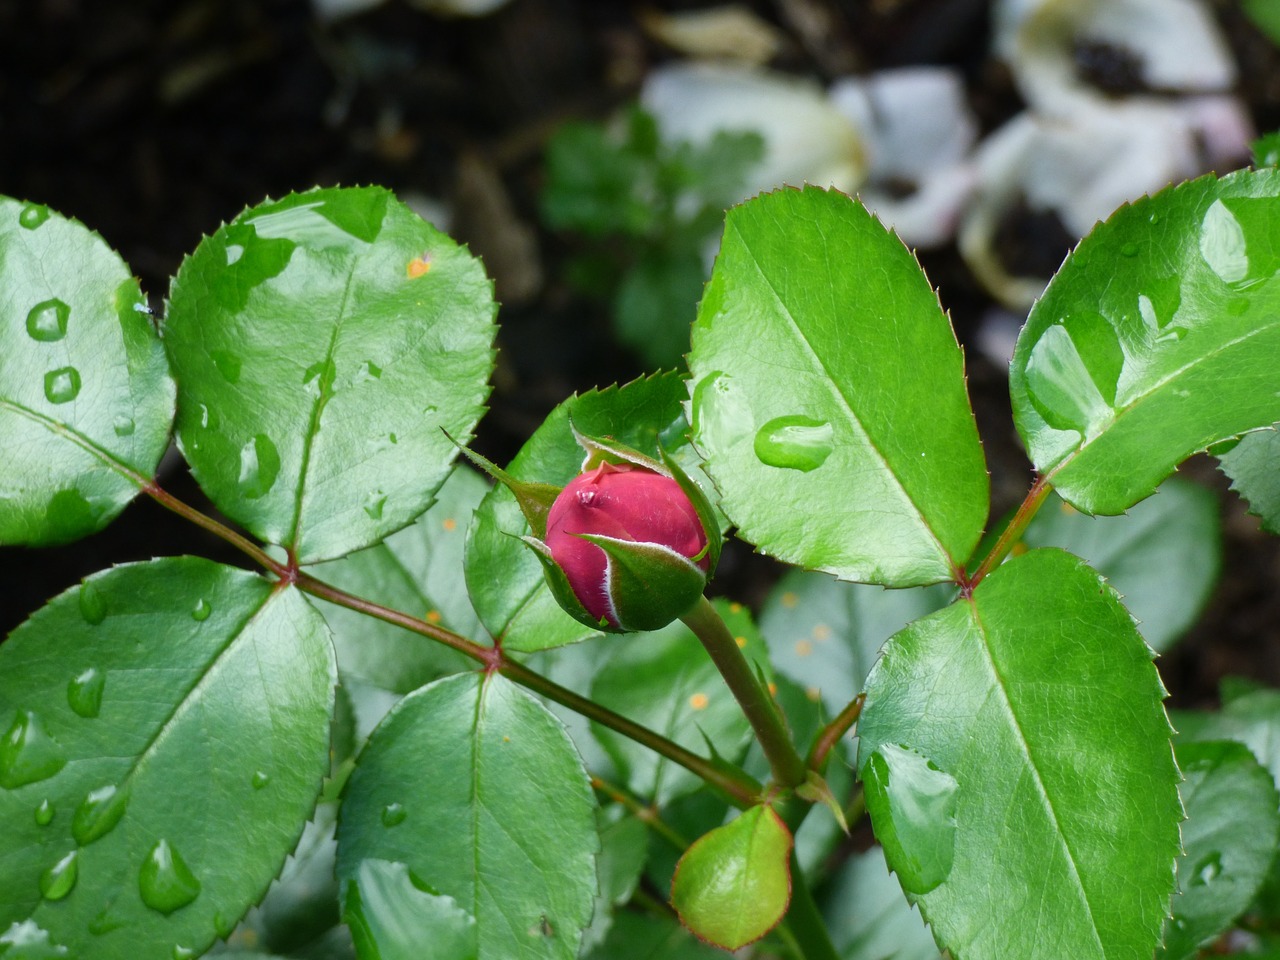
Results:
[791, 442]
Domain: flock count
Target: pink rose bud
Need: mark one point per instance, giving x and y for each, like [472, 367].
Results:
[647, 558]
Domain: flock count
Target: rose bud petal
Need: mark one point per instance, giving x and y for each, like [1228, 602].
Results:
[631, 546]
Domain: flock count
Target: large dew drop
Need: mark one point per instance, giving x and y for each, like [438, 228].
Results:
[57, 881]
[62, 385]
[93, 605]
[84, 693]
[27, 753]
[32, 215]
[913, 810]
[794, 443]
[98, 814]
[47, 320]
[259, 466]
[165, 881]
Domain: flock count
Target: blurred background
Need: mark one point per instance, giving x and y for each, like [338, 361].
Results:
[586, 151]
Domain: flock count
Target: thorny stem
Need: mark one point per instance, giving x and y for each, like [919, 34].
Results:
[833, 731]
[753, 698]
[741, 789]
[1010, 535]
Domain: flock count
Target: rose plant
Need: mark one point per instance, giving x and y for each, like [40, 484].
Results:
[450, 718]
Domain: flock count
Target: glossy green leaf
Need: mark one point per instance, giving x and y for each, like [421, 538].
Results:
[733, 885]
[1230, 835]
[85, 391]
[646, 936]
[1162, 556]
[504, 576]
[394, 916]
[666, 681]
[825, 634]
[322, 344]
[624, 847]
[913, 805]
[474, 786]
[417, 570]
[1159, 336]
[830, 398]
[183, 703]
[1039, 698]
[869, 918]
[1252, 466]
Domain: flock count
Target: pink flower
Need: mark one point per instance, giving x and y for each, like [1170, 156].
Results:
[622, 503]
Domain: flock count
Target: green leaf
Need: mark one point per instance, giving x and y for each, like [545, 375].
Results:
[1251, 465]
[1039, 698]
[1251, 718]
[394, 916]
[474, 786]
[830, 398]
[870, 919]
[665, 681]
[733, 885]
[656, 303]
[637, 936]
[913, 804]
[85, 391]
[1229, 839]
[417, 570]
[1266, 16]
[825, 634]
[504, 576]
[1159, 336]
[322, 344]
[1162, 556]
[624, 847]
[110, 702]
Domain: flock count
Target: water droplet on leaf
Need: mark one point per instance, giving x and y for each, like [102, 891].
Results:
[44, 813]
[32, 215]
[93, 605]
[123, 426]
[259, 466]
[1129, 249]
[228, 365]
[98, 814]
[26, 940]
[260, 780]
[913, 810]
[57, 881]
[84, 693]
[368, 371]
[62, 385]
[374, 503]
[47, 320]
[1222, 244]
[105, 923]
[721, 414]
[201, 610]
[27, 753]
[1207, 870]
[794, 443]
[182, 953]
[393, 814]
[165, 881]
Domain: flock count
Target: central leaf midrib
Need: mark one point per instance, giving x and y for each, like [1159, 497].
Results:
[838, 393]
[999, 687]
[324, 395]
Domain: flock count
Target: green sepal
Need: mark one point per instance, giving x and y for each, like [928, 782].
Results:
[562, 591]
[706, 512]
[607, 450]
[535, 499]
[649, 584]
[815, 790]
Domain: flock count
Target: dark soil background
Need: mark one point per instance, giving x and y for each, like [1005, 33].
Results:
[153, 121]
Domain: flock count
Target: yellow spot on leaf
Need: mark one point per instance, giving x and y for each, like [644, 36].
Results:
[773, 689]
[789, 599]
[450, 524]
[803, 648]
[433, 616]
[821, 632]
[698, 701]
[418, 266]
[735, 607]
[740, 641]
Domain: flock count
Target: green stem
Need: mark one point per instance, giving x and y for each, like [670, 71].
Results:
[833, 731]
[804, 922]
[1011, 534]
[755, 701]
[646, 814]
